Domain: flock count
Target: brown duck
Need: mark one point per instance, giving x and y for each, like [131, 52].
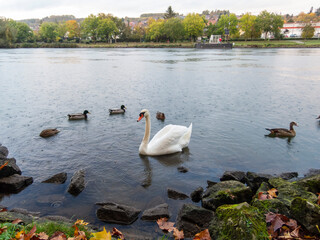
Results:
[283, 132]
[160, 116]
[49, 132]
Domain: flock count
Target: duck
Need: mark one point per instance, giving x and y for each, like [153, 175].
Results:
[170, 139]
[122, 109]
[283, 132]
[49, 132]
[78, 116]
[160, 116]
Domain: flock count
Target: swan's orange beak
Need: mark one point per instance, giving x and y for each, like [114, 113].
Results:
[141, 115]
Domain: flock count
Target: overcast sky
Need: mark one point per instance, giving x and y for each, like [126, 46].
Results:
[23, 9]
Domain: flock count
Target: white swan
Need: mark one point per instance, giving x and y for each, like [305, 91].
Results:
[170, 139]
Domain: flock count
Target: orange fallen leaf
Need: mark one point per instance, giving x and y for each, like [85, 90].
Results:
[178, 235]
[29, 235]
[58, 236]
[20, 235]
[116, 232]
[273, 192]
[263, 196]
[43, 236]
[17, 221]
[164, 225]
[80, 222]
[3, 165]
[204, 235]
[103, 235]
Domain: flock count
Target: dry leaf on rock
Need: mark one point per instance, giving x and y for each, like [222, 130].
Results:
[178, 235]
[117, 233]
[164, 225]
[204, 235]
[103, 235]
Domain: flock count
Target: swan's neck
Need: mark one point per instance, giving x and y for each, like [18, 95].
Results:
[145, 140]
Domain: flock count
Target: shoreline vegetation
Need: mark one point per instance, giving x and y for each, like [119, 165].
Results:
[236, 44]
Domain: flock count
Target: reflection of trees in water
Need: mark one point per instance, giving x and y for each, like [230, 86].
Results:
[167, 160]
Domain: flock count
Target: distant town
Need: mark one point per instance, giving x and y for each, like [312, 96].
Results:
[169, 26]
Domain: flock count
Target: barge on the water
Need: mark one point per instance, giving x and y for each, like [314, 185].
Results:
[213, 45]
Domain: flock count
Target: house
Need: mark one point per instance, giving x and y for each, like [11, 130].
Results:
[295, 29]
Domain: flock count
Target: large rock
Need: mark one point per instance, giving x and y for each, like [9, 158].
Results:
[312, 184]
[234, 175]
[153, 214]
[288, 175]
[3, 152]
[254, 180]
[174, 194]
[14, 183]
[196, 195]
[193, 219]
[287, 191]
[116, 213]
[312, 172]
[77, 183]
[226, 192]
[240, 221]
[271, 205]
[307, 213]
[10, 169]
[58, 178]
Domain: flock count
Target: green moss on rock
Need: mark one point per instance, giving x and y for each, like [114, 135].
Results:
[312, 184]
[271, 205]
[239, 221]
[288, 191]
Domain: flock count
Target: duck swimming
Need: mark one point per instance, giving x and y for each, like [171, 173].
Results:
[78, 116]
[170, 139]
[160, 116]
[283, 132]
[49, 132]
[122, 109]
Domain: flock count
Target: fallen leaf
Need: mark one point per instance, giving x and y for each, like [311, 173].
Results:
[43, 236]
[273, 192]
[295, 232]
[164, 225]
[3, 210]
[262, 196]
[116, 232]
[16, 221]
[58, 236]
[29, 235]
[103, 235]
[3, 229]
[20, 235]
[3, 165]
[204, 235]
[80, 222]
[178, 235]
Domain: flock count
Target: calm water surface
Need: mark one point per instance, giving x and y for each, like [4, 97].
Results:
[229, 96]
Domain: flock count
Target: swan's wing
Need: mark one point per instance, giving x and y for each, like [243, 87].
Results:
[170, 139]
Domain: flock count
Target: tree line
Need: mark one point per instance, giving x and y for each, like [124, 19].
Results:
[172, 27]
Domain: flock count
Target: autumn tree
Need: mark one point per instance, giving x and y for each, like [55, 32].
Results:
[193, 25]
[248, 25]
[48, 31]
[269, 23]
[173, 29]
[73, 29]
[138, 33]
[106, 28]
[89, 27]
[308, 31]
[155, 29]
[170, 13]
[228, 21]
[7, 33]
[307, 18]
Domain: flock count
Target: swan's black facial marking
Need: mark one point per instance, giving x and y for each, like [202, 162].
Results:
[141, 114]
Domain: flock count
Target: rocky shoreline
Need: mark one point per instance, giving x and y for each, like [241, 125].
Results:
[234, 208]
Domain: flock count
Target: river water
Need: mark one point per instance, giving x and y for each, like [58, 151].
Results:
[230, 96]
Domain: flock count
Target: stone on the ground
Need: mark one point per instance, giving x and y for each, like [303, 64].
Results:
[226, 192]
[234, 175]
[312, 172]
[193, 219]
[307, 213]
[117, 213]
[288, 175]
[77, 183]
[196, 195]
[239, 221]
[58, 178]
[287, 191]
[3, 152]
[153, 214]
[271, 205]
[210, 183]
[10, 169]
[254, 180]
[14, 183]
[25, 212]
[312, 184]
[174, 194]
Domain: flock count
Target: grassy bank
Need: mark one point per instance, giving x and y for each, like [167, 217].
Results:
[278, 44]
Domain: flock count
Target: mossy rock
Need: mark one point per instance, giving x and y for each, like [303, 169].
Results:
[271, 205]
[307, 213]
[312, 184]
[287, 191]
[239, 221]
[226, 192]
